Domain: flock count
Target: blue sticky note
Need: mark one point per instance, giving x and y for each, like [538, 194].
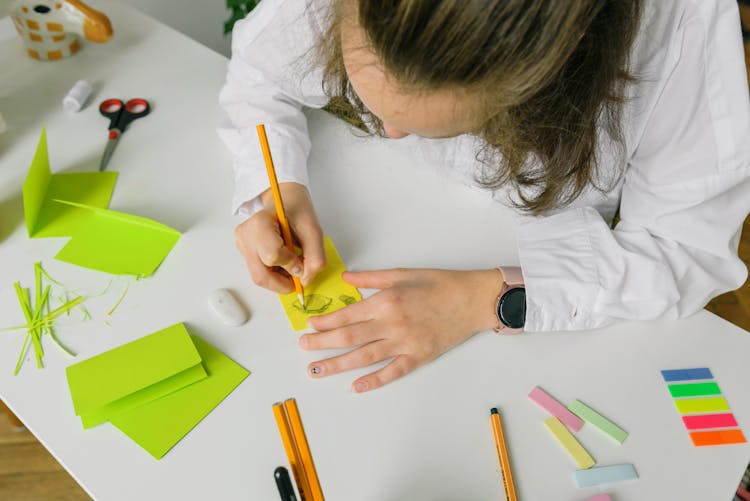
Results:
[686, 374]
[604, 475]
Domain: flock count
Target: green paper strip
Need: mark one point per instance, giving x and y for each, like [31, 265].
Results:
[694, 389]
[601, 423]
[693, 405]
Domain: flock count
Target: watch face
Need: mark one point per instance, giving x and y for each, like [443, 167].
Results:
[512, 308]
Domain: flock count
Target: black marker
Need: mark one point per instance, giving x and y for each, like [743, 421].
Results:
[286, 491]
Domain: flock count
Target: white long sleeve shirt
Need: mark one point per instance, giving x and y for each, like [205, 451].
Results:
[685, 163]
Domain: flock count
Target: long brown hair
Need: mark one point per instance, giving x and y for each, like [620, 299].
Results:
[549, 74]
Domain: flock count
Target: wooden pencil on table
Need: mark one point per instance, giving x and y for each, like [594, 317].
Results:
[298, 431]
[286, 233]
[502, 453]
[292, 453]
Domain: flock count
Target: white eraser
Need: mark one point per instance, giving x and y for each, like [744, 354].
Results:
[227, 308]
[76, 98]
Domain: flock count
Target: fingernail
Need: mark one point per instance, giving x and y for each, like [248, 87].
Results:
[360, 386]
[316, 370]
[303, 341]
[296, 271]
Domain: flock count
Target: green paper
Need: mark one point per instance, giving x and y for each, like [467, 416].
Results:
[44, 217]
[160, 424]
[694, 389]
[325, 294]
[691, 405]
[133, 374]
[75, 205]
[118, 243]
[599, 422]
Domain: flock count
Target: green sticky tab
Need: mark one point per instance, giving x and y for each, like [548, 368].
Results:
[158, 425]
[691, 405]
[601, 423]
[694, 389]
[133, 374]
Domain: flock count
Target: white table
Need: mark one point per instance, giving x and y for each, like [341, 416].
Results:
[424, 437]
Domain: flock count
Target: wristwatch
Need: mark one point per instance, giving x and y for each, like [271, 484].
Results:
[511, 302]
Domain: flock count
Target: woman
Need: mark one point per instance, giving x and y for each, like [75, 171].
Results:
[568, 111]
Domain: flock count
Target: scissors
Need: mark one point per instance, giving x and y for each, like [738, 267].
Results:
[120, 115]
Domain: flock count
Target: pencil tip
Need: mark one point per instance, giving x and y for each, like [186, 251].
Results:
[494, 411]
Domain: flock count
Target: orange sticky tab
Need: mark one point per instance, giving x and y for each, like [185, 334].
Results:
[719, 437]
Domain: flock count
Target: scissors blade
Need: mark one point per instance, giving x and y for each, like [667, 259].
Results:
[111, 143]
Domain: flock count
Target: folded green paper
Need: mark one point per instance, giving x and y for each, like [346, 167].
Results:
[158, 425]
[133, 374]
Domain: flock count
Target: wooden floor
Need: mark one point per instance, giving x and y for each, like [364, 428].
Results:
[29, 473]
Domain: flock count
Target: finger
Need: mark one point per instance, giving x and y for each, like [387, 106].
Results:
[363, 356]
[310, 238]
[266, 277]
[399, 366]
[379, 279]
[350, 314]
[273, 252]
[345, 337]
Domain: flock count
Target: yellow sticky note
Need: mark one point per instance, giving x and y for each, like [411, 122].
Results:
[569, 443]
[326, 293]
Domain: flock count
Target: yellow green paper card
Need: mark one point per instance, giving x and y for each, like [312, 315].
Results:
[325, 294]
[75, 205]
[158, 425]
[133, 374]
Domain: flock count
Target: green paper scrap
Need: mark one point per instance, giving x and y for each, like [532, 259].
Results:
[694, 389]
[133, 374]
[75, 205]
[160, 424]
[599, 422]
[325, 294]
[692, 405]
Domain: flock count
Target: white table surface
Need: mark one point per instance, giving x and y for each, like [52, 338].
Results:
[424, 437]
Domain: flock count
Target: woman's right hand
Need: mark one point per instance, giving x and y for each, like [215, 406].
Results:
[260, 242]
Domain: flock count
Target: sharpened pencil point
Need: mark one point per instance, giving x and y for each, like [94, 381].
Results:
[301, 298]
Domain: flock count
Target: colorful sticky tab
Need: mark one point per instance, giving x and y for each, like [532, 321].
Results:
[605, 475]
[693, 405]
[706, 409]
[601, 423]
[717, 437]
[325, 294]
[694, 390]
[686, 374]
[548, 403]
[582, 458]
[600, 497]
[703, 421]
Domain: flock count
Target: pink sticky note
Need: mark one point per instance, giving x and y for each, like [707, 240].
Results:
[703, 421]
[549, 404]
[600, 497]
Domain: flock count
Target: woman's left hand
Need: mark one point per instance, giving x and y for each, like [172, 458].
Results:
[417, 316]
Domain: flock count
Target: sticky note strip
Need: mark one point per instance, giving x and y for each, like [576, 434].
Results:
[686, 374]
[604, 475]
[600, 497]
[717, 437]
[703, 421]
[548, 403]
[694, 390]
[601, 423]
[694, 405]
[133, 374]
[158, 425]
[569, 443]
[325, 294]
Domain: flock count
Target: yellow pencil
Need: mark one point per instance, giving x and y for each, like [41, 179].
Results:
[292, 453]
[298, 431]
[284, 223]
[502, 453]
